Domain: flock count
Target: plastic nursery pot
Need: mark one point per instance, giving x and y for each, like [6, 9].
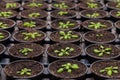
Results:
[90, 1]
[114, 51]
[99, 37]
[20, 37]
[17, 50]
[84, 5]
[113, 5]
[55, 36]
[64, 0]
[4, 35]
[72, 54]
[31, 24]
[27, 14]
[115, 14]
[104, 24]
[13, 68]
[2, 48]
[70, 24]
[94, 14]
[97, 66]
[54, 66]
[68, 14]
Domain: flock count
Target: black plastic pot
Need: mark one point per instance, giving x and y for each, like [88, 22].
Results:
[7, 37]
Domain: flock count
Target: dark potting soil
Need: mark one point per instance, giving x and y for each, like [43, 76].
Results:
[5, 34]
[117, 24]
[114, 13]
[113, 5]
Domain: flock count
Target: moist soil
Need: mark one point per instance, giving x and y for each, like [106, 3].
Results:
[117, 24]
[1, 48]
[106, 38]
[55, 24]
[97, 66]
[103, 22]
[55, 36]
[14, 50]
[39, 24]
[11, 69]
[5, 33]
[114, 52]
[53, 67]
[113, 5]
[19, 37]
[75, 53]
[113, 13]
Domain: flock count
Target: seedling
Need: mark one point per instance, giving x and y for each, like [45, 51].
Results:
[97, 25]
[6, 14]
[118, 5]
[30, 24]
[94, 15]
[3, 25]
[61, 6]
[2, 36]
[33, 4]
[99, 35]
[116, 0]
[67, 35]
[34, 15]
[25, 51]
[11, 5]
[92, 5]
[24, 71]
[65, 51]
[28, 35]
[66, 25]
[110, 70]
[118, 14]
[102, 50]
[61, 13]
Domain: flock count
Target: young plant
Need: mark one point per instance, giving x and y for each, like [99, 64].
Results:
[11, 5]
[33, 4]
[97, 25]
[3, 25]
[118, 14]
[30, 24]
[2, 36]
[65, 51]
[116, 0]
[67, 35]
[118, 5]
[68, 67]
[34, 15]
[94, 15]
[110, 70]
[61, 6]
[92, 5]
[66, 25]
[61, 13]
[6, 14]
[25, 51]
[99, 35]
[102, 50]
[24, 71]
[32, 35]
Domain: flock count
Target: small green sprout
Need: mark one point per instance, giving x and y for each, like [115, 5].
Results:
[30, 24]
[2, 36]
[65, 51]
[11, 5]
[94, 15]
[97, 25]
[24, 71]
[92, 5]
[110, 70]
[116, 0]
[99, 35]
[30, 35]
[66, 25]
[61, 6]
[3, 26]
[33, 4]
[118, 14]
[67, 35]
[61, 13]
[25, 51]
[68, 67]
[34, 15]
[102, 50]
[118, 5]
[6, 14]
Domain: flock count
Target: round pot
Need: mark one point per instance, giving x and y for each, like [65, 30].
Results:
[113, 5]
[63, 0]
[18, 36]
[113, 13]
[102, 64]
[115, 52]
[15, 50]
[54, 66]
[92, 37]
[6, 35]
[2, 48]
[59, 46]
[12, 68]
[117, 24]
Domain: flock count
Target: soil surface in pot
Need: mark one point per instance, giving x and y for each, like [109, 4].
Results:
[75, 53]
[53, 67]
[12, 69]
[14, 50]
[5, 34]
[115, 14]
[113, 5]
[117, 24]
